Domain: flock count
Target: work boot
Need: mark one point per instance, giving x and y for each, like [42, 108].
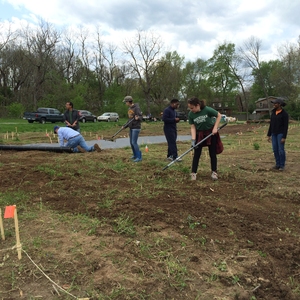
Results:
[97, 148]
[134, 156]
[139, 157]
[80, 149]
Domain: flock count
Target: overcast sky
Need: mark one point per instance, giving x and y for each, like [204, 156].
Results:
[193, 28]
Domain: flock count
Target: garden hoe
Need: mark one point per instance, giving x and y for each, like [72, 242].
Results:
[192, 148]
[112, 139]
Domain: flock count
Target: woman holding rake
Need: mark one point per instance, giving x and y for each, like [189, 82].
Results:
[204, 120]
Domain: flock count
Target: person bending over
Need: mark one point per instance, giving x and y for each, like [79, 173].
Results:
[73, 140]
[204, 120]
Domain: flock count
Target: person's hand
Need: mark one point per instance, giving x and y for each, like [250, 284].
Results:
[269, 139]
[193, 143]
[282, 141]
[177, 120]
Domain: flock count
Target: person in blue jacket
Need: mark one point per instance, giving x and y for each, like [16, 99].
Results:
[170, 128]
[277, 132]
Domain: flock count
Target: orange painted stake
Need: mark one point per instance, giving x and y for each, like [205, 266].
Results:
[1, 226]
[11, 212]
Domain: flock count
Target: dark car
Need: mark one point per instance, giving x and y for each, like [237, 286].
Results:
[86, 116]
[181, 115]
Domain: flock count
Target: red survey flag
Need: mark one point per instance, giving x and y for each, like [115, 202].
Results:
[9, 211]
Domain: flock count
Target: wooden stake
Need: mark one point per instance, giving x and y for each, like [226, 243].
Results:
[1, 226]
[19, 246]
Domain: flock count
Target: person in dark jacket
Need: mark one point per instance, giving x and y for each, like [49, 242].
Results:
[277, 132]
[71, 117]
[134, 124]
[170, 128]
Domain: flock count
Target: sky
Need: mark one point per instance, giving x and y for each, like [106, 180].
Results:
[193, 28]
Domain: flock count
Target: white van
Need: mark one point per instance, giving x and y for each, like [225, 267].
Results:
[108, 117]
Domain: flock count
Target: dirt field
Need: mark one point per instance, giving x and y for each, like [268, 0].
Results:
[102, 227]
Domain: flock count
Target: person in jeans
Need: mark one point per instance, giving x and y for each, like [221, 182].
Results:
[277, 132]
[73, 140]
[71, 117]
[170, 129]
[134, 124]
[204, 120]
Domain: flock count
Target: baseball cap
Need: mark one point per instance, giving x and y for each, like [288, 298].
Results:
[55, 127]
[279, 101]
[128, 99]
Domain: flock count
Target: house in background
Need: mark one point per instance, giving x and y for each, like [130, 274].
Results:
[263, 107]
[222, 108]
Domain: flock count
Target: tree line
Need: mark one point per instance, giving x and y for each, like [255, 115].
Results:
[43, 67]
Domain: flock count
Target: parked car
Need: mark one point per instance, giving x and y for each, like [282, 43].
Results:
[223, 118]
[86, 116]
[43, 115]
[181, 115]
[109, 117]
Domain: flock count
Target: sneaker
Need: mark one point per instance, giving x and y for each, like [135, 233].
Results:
[275, 167]
[214, 176]
[137, 159]
[170, 158]
[97, 148]
[133, 157]
[193, 176]
[80, 149]
[179, 159]
[281, 169]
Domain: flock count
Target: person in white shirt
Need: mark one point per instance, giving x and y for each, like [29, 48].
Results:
[71, 138]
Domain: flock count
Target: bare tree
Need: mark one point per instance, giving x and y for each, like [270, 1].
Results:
[249, 53]
[144, 56]
[40, 52]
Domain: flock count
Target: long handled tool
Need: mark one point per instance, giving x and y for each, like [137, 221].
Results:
[123, 127]
[192, 148]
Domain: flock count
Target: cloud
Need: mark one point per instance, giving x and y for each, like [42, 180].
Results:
[191, 27]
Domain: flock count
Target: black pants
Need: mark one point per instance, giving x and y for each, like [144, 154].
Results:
[171, 137]
[212, 154]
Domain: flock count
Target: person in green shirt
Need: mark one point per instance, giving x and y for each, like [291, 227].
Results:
[204, 120]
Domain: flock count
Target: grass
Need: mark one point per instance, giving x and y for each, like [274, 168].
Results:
[133, 226]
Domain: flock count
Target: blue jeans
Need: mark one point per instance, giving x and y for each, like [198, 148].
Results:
[79, 141]
[278, 149]
[133, 137]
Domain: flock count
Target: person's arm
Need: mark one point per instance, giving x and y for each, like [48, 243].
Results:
[138, 114]
[168, 117]
[76, 118]
[215, 128]
[61, 139]
[285, 127]
[193, 134]
[66, 119]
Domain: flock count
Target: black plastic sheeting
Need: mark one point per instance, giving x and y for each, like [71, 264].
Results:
[38, 148]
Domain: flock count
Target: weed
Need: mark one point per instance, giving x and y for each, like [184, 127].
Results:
[124, 225]
[256, 146]
[192, 222]
[262, 254]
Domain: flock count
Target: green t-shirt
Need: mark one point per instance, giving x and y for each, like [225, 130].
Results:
[203, 119]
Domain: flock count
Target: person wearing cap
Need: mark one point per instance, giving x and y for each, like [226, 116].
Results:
[277, 132]
[71, 117]
[134, 124]
[73, 140]
[170, 128]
